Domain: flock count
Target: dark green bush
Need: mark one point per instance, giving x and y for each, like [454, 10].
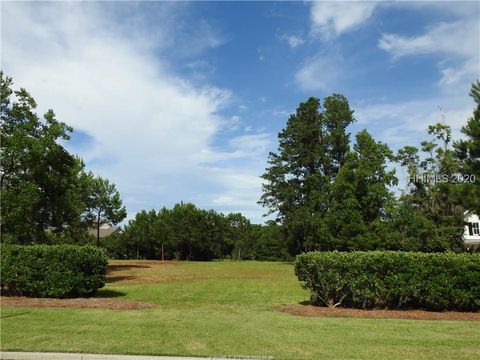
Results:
[391, 279]
[52, 270]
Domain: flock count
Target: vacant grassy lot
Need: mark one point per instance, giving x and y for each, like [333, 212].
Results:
[226, 308]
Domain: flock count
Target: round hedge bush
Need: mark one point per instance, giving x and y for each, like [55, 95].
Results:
[52, 270]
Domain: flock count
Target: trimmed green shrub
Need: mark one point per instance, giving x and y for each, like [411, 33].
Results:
[52, 270]
[391, 279]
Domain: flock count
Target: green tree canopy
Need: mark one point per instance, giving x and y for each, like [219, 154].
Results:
[46, 195]
[428, 216]
[104, 205]
[468, 152]
[312, 148]
[361, 196]
[39, 179]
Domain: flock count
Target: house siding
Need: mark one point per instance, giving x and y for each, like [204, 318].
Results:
[469, 235]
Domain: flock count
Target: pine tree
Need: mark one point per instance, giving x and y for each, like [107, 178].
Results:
[361, 196]
[468, 152]
[312, 148]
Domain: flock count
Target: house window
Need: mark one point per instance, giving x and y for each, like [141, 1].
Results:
[475, 229]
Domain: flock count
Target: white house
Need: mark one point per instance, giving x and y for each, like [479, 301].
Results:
[471, 236]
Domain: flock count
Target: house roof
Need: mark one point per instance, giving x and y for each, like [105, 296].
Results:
[104, 232]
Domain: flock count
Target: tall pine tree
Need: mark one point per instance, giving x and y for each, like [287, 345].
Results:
[312, 148]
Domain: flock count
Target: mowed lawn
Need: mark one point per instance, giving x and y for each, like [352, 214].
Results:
[226, 308]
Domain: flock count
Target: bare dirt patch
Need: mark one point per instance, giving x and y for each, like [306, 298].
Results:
[160, 262]
[88, 303]
[125, 264]
[139, 271]
[118, 267]
[112, 279]
[130, 272]
[316, 311]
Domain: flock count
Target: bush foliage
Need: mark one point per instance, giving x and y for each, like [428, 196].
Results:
[52, 270]
[391, 279]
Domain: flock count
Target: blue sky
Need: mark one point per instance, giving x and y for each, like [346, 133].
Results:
[182, 101]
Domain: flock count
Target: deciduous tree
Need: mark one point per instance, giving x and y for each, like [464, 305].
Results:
[39, 180]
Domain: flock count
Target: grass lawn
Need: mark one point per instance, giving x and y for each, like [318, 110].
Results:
[226, 308]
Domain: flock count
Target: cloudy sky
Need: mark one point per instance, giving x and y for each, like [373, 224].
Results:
[183, 101]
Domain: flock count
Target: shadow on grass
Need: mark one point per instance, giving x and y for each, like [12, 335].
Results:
[108, 293]
[306, 302]
[112, 279]
[17, 314]
[117, 267]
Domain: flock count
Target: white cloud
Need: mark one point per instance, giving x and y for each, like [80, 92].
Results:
[329, 19]
[152, 130]
[457, 45]
[203, 36]
[293, 41]
[320, 72]
[458, 38]
[240, 147]
[406, 122]
[261, 57]
[467, 71]
[281, 113]
[258, 143]
[235, 122]
[332, 18]
[458, 42]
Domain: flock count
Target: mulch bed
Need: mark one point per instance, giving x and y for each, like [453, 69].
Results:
[316, 311]
[89, 303]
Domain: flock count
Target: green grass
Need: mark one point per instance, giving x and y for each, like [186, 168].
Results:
[226, 308]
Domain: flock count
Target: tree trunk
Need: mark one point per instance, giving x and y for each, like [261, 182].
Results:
[1, 192]
[98, 230]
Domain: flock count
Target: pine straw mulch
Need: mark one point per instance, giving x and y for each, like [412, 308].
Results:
[316, 311]
[87, 303]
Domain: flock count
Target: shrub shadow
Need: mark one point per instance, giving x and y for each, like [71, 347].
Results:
[108, 293]
[306, 302]
[112, 279]
[116, 267]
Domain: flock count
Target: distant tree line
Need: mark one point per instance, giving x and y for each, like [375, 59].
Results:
[186, 232]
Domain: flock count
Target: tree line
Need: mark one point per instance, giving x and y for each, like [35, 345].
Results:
[325, 191]
[186, 232]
